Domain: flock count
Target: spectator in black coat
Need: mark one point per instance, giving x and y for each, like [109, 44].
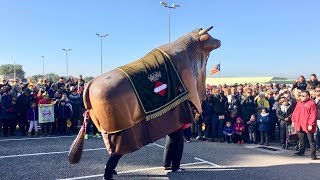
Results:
[300, 83]
[23, 103]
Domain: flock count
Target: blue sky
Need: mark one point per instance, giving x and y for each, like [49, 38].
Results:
[259, 38]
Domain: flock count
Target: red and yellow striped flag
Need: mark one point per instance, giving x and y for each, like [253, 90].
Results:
[215, 69]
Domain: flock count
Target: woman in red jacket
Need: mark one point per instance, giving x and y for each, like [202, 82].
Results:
[304, 119]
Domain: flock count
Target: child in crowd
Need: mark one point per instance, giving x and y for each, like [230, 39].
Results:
[63, 113]
[253, 129]
[228, 132]
[32, 117]
[239, 128]
[264, 121]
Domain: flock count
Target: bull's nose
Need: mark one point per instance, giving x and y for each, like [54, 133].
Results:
[218, 44]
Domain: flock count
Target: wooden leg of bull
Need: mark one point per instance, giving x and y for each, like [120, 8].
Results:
[173, 150]
[111, 165]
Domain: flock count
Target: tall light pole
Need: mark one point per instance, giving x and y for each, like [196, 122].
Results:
[101, 38]
[173, 6]
[42, 66]
[14, 68]
[67, 50]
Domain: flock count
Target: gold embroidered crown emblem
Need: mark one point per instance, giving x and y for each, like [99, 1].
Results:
[154, 76]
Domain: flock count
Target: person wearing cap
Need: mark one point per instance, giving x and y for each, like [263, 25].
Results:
[23, 103]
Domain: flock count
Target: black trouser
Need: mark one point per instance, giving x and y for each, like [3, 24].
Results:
[238, 137]
[187, 133]
[111, 165]
[9, 127]
[312, 143]
[229, 139]
[95, 130]
[62, 126]
[23, 124]
[283, 131]
[264, 137]
[45, 128]
[173, 150]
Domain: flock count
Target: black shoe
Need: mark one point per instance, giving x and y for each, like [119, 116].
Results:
[283, 146]
[114, 172]
[178, 170]
[168, 168]
[298, 154]
[314, 158]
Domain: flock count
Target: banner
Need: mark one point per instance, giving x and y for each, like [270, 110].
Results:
[46, 113]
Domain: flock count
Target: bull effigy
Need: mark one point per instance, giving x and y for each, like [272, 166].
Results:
[141, 102]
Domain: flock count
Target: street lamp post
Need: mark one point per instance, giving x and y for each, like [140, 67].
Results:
[101, 38]
[67, 50]
[42, 66]
[173, 6]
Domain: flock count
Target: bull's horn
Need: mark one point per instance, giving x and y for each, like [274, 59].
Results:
[204, 31]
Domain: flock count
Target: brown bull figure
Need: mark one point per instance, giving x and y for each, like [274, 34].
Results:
[116, 109]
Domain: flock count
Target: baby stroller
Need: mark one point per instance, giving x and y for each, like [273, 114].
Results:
[292, 138]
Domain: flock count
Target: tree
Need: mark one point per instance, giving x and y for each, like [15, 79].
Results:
[53, 77]
[7, 71]
[87, 79]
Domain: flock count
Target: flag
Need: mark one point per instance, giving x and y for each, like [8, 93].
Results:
[215, 69]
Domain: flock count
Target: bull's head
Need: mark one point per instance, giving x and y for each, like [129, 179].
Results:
[190, 53]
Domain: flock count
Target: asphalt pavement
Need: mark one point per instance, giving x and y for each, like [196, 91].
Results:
[46, 158]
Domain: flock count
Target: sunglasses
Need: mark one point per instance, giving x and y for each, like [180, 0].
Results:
[302, 96]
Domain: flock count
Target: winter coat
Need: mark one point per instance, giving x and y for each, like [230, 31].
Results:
[253, 126]
[312, 84]
[285, 112]
[248, 107]
[32, 114]
[264, 121]
[7, 108]
[228, 130]
[219, 103]
[23, 103]
[239, 127]
[75, 101]
[299, 85]
[304, 114]
[63, 112]
[207, 111]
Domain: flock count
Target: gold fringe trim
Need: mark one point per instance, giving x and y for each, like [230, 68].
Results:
[168, 107]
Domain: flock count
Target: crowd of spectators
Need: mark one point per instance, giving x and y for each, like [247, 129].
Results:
[238, 113]
[19, 107]
[251, 113]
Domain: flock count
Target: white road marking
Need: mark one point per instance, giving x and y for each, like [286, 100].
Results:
[213, 164]
[158, 145]
[131, 171]
[48, 153]
[39, 138]
[256, 147]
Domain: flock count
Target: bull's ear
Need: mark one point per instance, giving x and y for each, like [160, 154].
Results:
[204, 37]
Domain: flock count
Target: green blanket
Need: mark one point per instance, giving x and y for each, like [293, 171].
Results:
[156, 83]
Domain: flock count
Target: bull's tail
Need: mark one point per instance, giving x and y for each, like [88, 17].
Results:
[86, 99]
[76, 148]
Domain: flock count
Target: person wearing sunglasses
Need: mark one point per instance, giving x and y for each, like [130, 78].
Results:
[304, 119]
